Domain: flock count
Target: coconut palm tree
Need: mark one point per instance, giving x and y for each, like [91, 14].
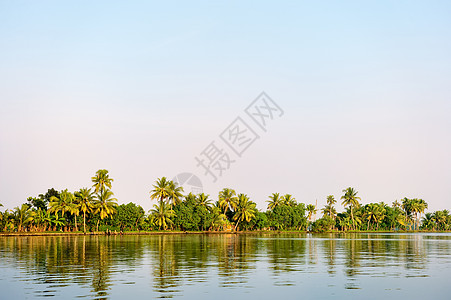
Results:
[190, 198]
[40, 219]
[245, 210]
[374, 213]
[428, 222]
[85, 201]
[331, 200]
[219, 219]
[105, 205]
[311, 209]
[203, 200]
[419, 208]
[440, 217]
[396, 204]
[23, 215]
[329, 210]
[65, 203]
[289, 200]
[406, 205]
[274, 201]
[162, 214]
[227, 200]
[161, 189]
[101, 181]
[8, 221]
[350, 199]
[330, 206]
[345, 223]
[174, 193]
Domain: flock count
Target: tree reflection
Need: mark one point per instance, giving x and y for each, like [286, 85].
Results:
[98, 263]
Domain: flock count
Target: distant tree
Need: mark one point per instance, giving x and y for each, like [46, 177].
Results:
[185, 214]
[129, 216]
[161, 215]
[289, 200]
[23, 216]
[227, 199]
[174, 193]
[330, 209]
[161, 190]
[350, 199]
[105, 205]
[64, 204]
[203, 200]
[101, 181]
[323, 225]
[311, 209]
[274, 201]
[85, 201]
[428, 222]
[245, 210]
[218, 218]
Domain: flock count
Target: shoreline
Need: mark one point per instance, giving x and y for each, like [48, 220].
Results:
[7, 234]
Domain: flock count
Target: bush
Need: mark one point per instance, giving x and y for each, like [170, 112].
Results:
[322, 225]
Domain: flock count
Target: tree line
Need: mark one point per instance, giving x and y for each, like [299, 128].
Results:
[96, 209]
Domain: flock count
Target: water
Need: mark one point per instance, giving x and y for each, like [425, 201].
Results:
[227, 266]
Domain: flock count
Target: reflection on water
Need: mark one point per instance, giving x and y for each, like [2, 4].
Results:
[227, 265]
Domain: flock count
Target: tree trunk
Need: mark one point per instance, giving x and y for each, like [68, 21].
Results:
[236, 226]
[98, 221]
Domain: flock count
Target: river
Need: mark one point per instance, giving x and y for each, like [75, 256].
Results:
[228, 266]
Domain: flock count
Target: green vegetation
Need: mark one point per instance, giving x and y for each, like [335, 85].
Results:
[96, 209]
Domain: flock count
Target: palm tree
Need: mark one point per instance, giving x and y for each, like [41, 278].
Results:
[289, 200]
[23, 215]
[374, 213]
[420, 207]
[161, 189]
[227, 199]
[331, 200]
[65, 203]
[350, 199]
[330, 206]
[162, 214]
[174, 193]
[101, 180]
[440, 217]
[329, 210]
[396, 204]
[428, 222]
[219, 219]
[202, 200]
[311, 209]
[105, 205]
[274, 201]
[408, 209]
[344, 223]
[245, 210]
[190, 198]
[39, 219]
[85, 200]
[55, 220]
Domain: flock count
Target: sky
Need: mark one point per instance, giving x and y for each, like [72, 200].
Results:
[142, 88]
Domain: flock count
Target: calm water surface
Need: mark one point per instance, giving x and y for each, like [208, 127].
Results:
[227, 266]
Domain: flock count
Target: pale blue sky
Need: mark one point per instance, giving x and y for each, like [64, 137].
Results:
[140, 88]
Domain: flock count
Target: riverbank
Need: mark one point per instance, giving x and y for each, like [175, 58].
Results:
[51, 233]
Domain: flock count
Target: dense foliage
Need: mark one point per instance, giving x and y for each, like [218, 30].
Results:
[96, 209]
